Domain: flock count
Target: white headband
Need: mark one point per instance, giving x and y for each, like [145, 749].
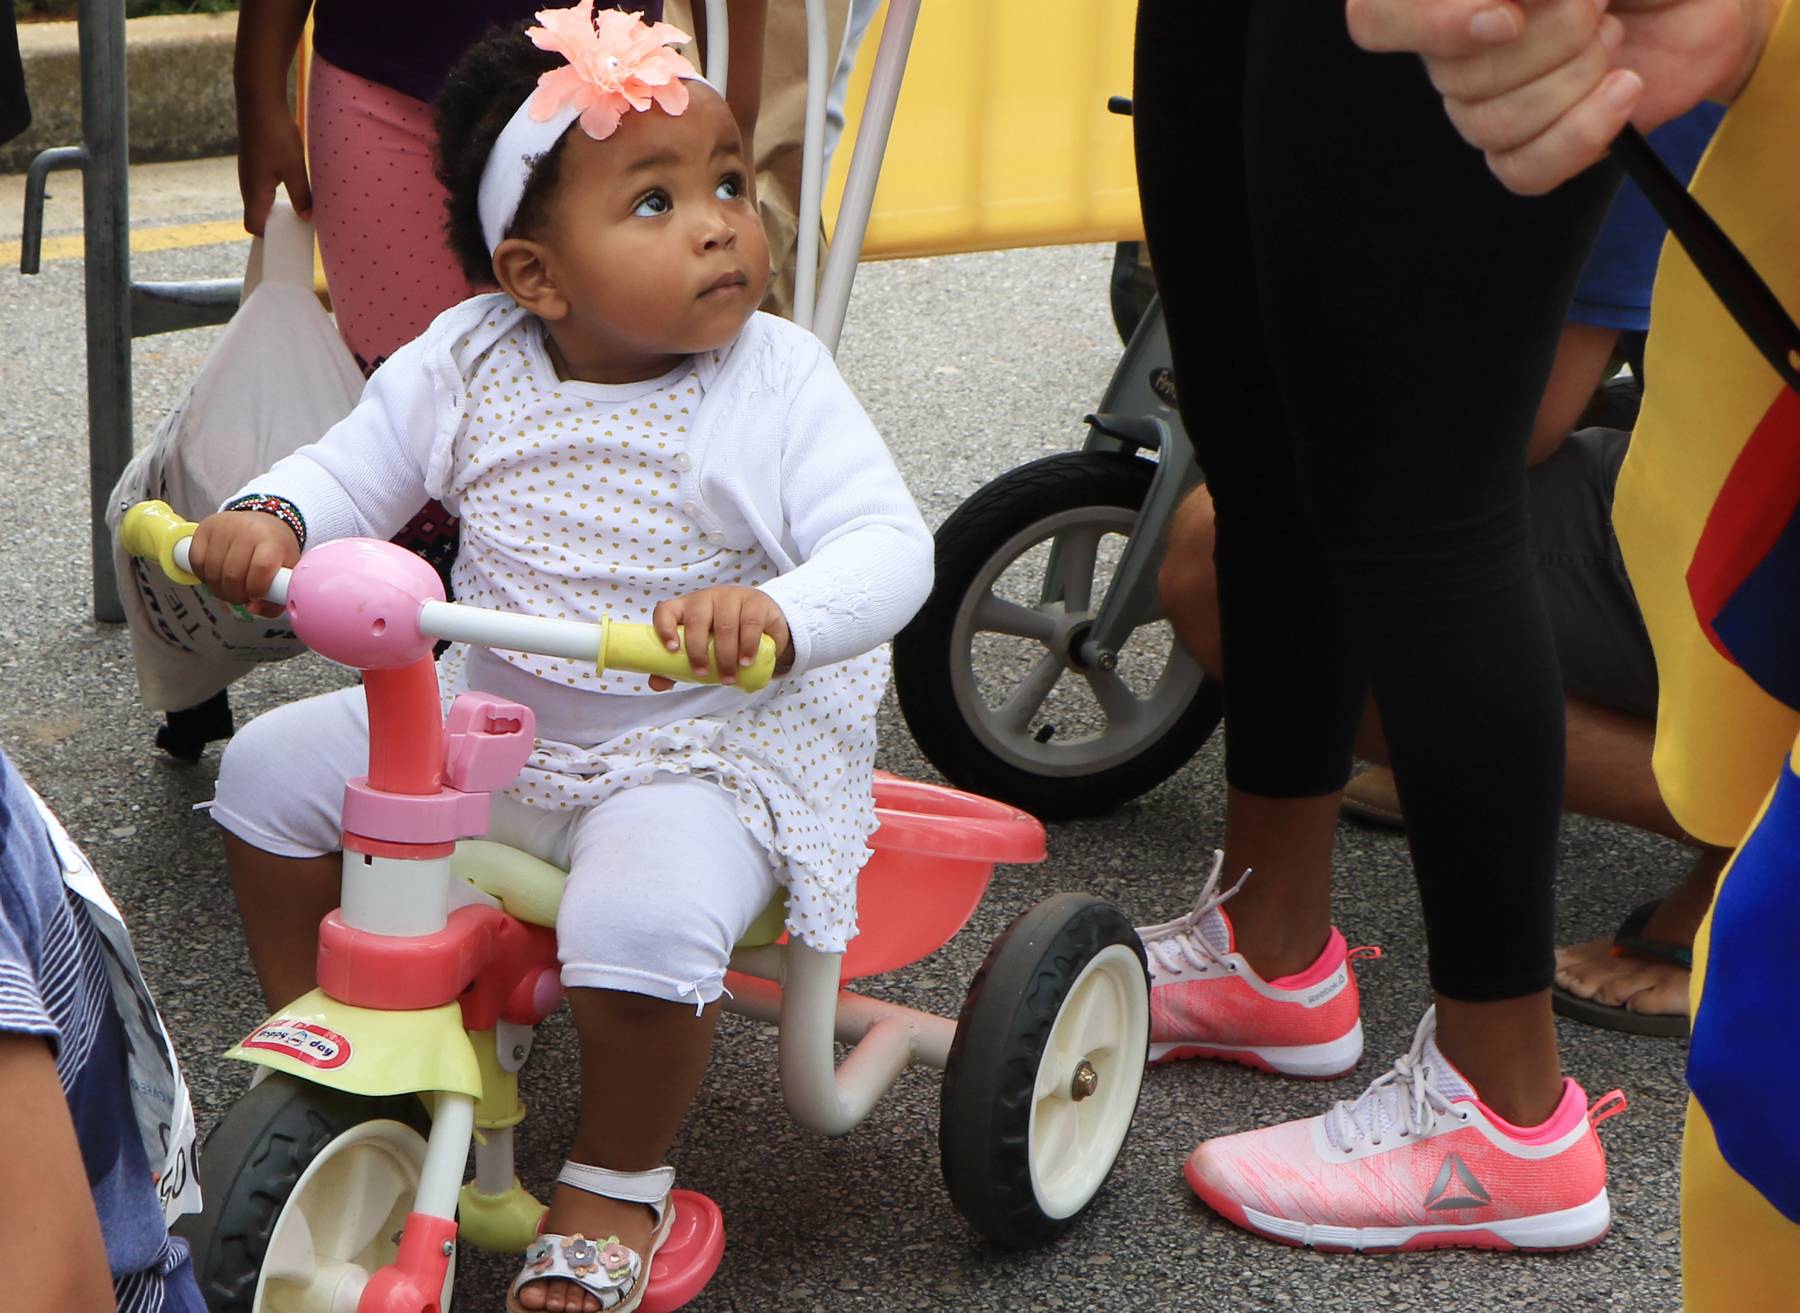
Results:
[521, 143]
[617, 64]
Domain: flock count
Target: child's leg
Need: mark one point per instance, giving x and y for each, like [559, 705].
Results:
[641, 1063]
[664, 879]
[280, 803]
[282, 900]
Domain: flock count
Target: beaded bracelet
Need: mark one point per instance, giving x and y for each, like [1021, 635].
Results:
[280, 507]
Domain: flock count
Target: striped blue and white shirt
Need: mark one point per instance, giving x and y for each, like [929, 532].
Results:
[53, 983]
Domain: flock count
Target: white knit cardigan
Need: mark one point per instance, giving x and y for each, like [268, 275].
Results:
[781, 456]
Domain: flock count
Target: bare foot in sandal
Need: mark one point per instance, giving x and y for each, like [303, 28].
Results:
[1607, 970]
[595, 1218]
[593, 1243]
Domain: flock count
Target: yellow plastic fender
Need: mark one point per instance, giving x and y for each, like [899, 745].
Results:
[364, 1050]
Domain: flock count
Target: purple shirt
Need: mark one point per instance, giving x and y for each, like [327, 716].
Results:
[411, 45]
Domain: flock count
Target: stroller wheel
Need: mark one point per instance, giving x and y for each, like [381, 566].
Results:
[1133, 287]
[1043, 1075]
[988, 673]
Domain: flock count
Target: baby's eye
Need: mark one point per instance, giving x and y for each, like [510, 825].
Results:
[730, 187]
[652, 205]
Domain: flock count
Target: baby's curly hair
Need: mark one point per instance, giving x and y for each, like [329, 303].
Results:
[489, 82]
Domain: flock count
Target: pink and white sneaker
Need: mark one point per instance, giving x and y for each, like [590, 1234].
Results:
[1206, 1001]
[1418, 1162]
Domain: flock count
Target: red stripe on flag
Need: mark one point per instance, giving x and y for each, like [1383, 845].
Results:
[1759, 497]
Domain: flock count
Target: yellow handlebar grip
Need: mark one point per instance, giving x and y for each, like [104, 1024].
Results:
[625, 646]
[150, 531]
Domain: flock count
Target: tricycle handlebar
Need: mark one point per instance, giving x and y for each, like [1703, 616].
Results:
[374, 605]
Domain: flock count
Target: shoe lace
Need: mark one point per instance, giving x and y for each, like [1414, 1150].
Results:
[1174, 942]
[1404, 1098]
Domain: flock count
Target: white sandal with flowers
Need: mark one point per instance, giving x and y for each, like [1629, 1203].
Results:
[606, 1269]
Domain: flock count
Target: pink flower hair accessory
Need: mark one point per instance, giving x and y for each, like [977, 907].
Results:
[617, 63]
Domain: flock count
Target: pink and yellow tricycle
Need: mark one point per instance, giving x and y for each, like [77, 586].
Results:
[336, 1184]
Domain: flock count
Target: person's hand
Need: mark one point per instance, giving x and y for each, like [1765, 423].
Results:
[236, 554]
[270, 152]
[1542, 88]
[734, 618]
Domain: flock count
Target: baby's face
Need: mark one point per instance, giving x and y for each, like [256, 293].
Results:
[653, 235]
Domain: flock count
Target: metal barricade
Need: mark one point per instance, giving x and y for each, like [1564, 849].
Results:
[117, 308]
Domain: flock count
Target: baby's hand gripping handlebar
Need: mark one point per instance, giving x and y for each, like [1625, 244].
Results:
[376, 606]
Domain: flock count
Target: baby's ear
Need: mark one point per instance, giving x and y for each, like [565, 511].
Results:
[523, 272]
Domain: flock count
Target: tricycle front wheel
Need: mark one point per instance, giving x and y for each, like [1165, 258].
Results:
[1044, 1073]
[306, 1191]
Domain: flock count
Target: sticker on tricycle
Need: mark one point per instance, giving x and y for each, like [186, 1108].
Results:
[302, 1041]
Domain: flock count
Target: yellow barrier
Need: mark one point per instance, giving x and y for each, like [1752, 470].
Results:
[1002, 137]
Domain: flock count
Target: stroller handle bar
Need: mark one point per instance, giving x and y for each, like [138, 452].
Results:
[373, 605]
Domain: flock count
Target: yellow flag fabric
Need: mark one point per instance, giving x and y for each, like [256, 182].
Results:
[1722, 743]
[1720, 740]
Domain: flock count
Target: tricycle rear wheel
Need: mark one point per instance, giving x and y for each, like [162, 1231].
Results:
[1044, 1073]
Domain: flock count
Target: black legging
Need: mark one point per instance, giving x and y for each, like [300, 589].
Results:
[1362, 321]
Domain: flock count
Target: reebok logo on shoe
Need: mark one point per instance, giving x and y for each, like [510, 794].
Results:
[1455, 1174]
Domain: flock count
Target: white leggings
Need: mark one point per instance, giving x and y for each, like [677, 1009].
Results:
[663, 878]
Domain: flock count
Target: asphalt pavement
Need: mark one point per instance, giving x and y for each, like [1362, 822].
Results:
[969, 365]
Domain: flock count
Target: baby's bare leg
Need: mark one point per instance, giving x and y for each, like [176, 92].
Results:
[642, 1060]
[280, 798]
[282, 900]
[664, 879]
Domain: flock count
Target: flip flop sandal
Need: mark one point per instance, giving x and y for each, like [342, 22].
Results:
[1370, 796]
[1630, 942]
[1630, 938]
[606, 1269]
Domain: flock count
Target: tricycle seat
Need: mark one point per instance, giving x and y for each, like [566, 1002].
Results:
[930, 862]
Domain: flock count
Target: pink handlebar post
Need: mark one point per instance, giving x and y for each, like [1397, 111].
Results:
[406, 728]
[357, 602]
[485, 742]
